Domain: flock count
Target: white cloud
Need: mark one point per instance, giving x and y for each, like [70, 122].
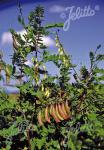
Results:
[7, 38]
[48, 41]
[57, 9]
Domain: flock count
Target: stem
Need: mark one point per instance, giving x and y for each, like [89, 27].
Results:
[81, 98]
[28, 139]
[76, 73]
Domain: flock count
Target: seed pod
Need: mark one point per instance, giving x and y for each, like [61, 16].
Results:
[39, 117]
[53, 113]
[47, 118]
[57, 112]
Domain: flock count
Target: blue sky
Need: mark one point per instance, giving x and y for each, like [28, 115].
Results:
[83, 35]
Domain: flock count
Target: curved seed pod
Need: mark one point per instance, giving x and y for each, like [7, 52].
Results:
[7, 79]
[15, 45]
[42, 88]
[53, 113]
[61, 52]
[36, 73]
[7, 73]
[39, 117]
[62, 113]
[0, 68]
[50, 110]
[67, 108]
[7, 70]
[47, 118]
[64, 110]
[57, 112]
[47, 92]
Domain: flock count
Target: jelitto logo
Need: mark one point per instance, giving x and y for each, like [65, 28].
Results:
[75, 13]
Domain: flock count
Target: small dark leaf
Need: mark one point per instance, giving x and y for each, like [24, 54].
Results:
[99, 46]
[100, 57]
[91, 56]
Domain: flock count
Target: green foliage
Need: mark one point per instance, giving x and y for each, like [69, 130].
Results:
[19, 126]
